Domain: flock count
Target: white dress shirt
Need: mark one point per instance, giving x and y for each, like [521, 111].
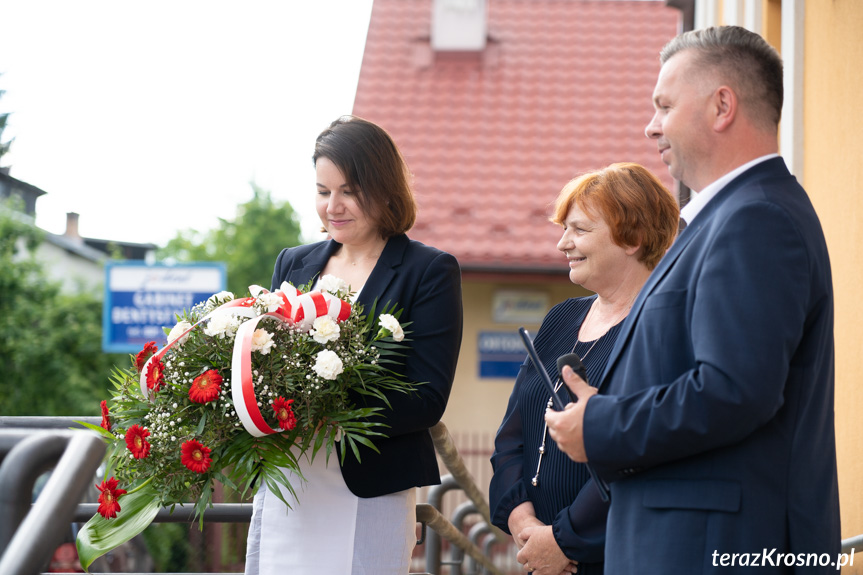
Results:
[700, 199]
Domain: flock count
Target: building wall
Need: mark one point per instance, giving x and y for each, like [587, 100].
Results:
[75, 274]
[477, 404]
[833, 176]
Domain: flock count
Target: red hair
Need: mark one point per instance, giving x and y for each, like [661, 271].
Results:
[638, 209]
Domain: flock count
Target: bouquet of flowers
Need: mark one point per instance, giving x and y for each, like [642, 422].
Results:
[243, 388]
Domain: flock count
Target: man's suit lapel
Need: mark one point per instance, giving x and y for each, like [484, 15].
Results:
[773, 167]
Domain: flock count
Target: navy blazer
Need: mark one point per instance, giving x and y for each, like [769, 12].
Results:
[426, 284]
[714, 423]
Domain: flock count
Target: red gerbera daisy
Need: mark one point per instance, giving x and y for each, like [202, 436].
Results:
[284, 413]
[195, 456]
[155, 375]
[108, 505]
[136, 441]
[205, 387]
[145, 354]
[106, 421]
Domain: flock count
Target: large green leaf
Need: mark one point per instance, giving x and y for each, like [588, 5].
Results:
[101, 535]
[98, 429]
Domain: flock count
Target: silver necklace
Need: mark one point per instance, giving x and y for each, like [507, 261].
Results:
[559, 383]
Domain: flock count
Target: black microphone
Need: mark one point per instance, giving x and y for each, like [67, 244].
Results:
[537, 364]
[573, 361]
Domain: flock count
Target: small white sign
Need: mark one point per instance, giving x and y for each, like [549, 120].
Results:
[521, 307]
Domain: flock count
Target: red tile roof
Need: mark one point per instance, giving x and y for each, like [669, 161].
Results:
[563, 86]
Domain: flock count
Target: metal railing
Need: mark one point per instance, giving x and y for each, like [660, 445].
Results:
[459, 478]
[446, 449]
[29, 446]
[852, 544]
[29, 535]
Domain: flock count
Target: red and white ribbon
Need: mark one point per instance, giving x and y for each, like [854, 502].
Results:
[304, 308]
[243, 380]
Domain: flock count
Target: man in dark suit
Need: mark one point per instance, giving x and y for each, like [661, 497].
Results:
[713, 427]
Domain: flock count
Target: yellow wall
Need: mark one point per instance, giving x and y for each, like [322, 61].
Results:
[478, 404]
[771, 15]
[833, 176]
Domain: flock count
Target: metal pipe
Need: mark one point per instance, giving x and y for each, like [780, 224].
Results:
[852, 543]
[461, 512]
[473, 536]
[43, 527]
[456, 558]
[46, 422]
[27, 456]
[486, 549]
[435, 500]
[218, 513]
[438, 523]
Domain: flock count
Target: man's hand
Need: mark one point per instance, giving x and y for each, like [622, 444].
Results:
[541, 553]
[567, 427]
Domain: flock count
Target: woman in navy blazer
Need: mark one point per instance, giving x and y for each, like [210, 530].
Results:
[360, 517]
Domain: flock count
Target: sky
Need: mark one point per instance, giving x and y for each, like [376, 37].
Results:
[147, 118]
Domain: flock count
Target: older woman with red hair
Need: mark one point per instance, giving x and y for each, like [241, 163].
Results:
[617, 223]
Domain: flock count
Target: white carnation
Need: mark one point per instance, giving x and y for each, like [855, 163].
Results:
[324, 329]
[328, 364]
[222, 325]
[392, 325]
[178, 330]
[262, 341]
[268, 302]
[333, 285]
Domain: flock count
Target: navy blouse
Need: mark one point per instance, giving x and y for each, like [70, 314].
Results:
[565, 497]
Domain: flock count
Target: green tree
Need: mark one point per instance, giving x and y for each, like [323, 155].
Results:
[50, 343]
[4, 147]
[248, 245]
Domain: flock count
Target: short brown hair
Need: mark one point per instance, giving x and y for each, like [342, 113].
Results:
[372, 164]
[638, 209]
[743, 59]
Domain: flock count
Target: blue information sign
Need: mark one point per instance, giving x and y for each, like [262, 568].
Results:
[141, 299]
[501, 353]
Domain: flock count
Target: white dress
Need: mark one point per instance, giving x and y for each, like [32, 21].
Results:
[328, 529]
